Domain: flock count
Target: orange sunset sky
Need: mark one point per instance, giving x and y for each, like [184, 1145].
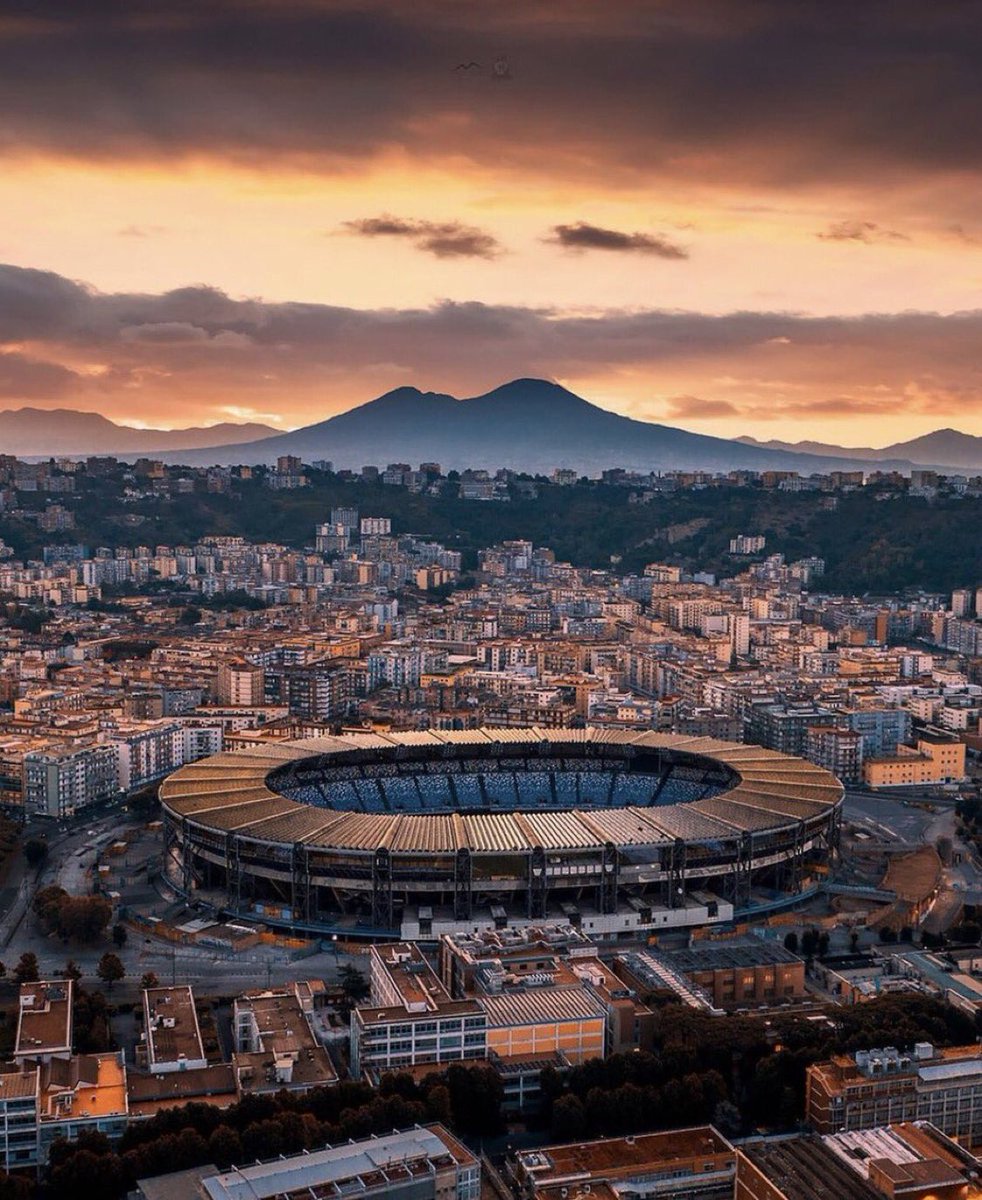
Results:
[737, 216]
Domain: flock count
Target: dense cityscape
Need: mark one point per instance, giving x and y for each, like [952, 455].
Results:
[310, 841]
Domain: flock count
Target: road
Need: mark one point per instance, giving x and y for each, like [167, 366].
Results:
[72, 853]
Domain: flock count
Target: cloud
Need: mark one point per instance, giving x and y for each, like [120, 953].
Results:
[725, 90]
[448, 239]
[583, 236]
[197, 350]
[867, 232]
[23, 378]
[696, 408]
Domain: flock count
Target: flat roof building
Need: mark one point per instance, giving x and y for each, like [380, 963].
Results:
[738, 974]
[696, 1162]
[45, 1020]
[423, 1163]
[879, 1087]
[171, 1034]
[276, 1046]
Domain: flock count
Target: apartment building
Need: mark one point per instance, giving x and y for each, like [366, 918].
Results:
[240, 683]
[276, 1043]
[880, 1087]
[837, 750]
[171, 1038]
[59, 1098]
[936, 758]
[61, 781]
[45, 1016]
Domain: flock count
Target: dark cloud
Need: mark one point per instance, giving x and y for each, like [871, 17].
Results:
[444, 239]
[731, 90]
[867, 232]
[198, 347]
[28, 379]
[583, 236]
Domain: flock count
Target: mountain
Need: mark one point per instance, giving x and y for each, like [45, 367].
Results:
[528, 425]
[945, 447]
[40, 433]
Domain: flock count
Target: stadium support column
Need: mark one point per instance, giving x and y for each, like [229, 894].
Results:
[233, 871]
[607, 900]
[463, 897]
[676, 875]
[187, 866]
[744, 871]
[834, 835]
[798, 859]
[301, 884]
[382, 889]
[538, 883]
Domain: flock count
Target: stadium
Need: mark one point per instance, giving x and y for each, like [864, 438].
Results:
[411, 835]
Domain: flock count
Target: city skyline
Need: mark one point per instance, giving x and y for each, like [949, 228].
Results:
[733, 218]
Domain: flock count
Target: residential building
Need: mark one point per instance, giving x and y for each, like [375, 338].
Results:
[935, 759]
[62, 781]
[276, 1046]
[45, 1015]
[240, 683]
[171, 1038]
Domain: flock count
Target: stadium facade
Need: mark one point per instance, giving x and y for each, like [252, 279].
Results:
[411, 835]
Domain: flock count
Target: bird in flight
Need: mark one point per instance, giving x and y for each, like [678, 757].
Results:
[467, 66]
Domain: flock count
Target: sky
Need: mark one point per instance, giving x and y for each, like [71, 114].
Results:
[737, 216]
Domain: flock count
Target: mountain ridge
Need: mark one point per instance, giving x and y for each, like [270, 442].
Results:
[525, 424]
[949, 446]
[39, 432]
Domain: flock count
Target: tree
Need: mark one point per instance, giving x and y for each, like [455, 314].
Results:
[72, 970]
[149, 980]
[854, 941]
[225, 1147]
[823, 943]
[791, 942]
[809, 943]
[35, 851]
[47, 904]
[354, 985]
[569, 1122]
[110, 969]
[27, 970]
[83, 918]
[119, 935]
[190, 616]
